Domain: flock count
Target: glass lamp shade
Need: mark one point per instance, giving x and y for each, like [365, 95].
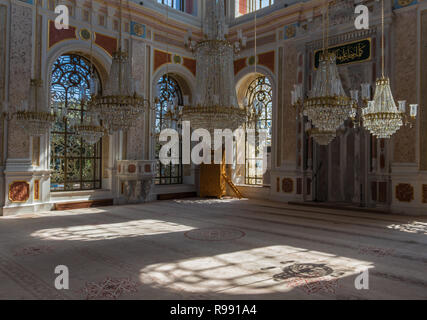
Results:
[119, 107]
[328, 106]
[215, 106]
[413, 110]
[322, 138]
[35, 119]
[381, 117]
[90, 130]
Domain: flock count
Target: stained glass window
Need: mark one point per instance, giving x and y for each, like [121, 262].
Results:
[169, 94]
[260, 97]
[75, 164]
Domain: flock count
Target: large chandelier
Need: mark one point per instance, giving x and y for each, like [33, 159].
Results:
[327, 105]
[215, 105]
[35, 118]
[382, 117]
[90, 130]
[119, 107]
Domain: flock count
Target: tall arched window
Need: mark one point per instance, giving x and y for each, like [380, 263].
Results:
[260, 97]
[247, 6]
[75, 164]
[169, 94]
[188, 6]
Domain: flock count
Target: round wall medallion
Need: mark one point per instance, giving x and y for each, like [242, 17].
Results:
[85, 34]
[404, 3]
[138, 29]
[177, 59]
[131, 168]
[215, 234]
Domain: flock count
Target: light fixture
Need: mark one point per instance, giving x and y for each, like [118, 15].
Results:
[382, 117]
[327, 105]
[36, 117]
[215, 105]
[119, 107]
[90, 130]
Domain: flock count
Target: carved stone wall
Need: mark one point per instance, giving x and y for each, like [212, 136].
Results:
[288, 138]
[136, 135]
[20, 75]
[423, 87]
[2, 51]
[404, 86]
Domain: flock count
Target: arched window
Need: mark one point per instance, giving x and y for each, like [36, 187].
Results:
[75, 164]
[260, 98]
[188, 6]
[247, 6]
[169, 94]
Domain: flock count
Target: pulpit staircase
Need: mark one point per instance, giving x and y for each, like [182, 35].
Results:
[232, 185]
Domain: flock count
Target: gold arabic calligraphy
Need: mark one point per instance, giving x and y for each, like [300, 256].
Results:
[350, 53]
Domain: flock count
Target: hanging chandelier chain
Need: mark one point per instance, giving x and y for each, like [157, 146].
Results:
[255, 42]
[382, 39]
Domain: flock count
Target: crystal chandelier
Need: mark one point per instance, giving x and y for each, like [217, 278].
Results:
[327, 106]
[119, 107]
[322, 138]
[90, 130]
[35, 119]
[215, 105]
[382, 117]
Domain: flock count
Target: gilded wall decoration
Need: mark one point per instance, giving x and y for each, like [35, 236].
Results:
[37, 190]
[349, 53]
[131, 168]
[290, 31]
[404, 192]
[287, 185]
[404, 3]
[19, 191]
[138, 29]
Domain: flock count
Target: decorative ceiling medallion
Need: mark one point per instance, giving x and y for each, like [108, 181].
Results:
[404, 192]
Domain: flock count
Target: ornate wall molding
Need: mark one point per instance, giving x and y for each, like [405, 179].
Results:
[19, 191]
[404, 192]
[287, 185]
[424, 193]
